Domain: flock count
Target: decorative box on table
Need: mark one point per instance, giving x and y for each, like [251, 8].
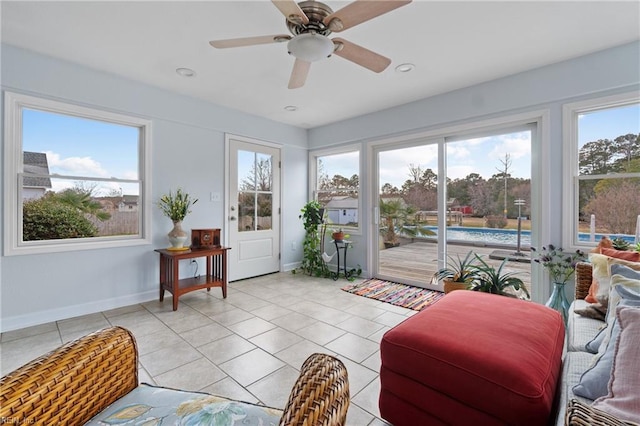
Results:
[205, 238]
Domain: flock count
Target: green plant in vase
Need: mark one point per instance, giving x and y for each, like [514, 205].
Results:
[561, 267]
[488, 279]
[176, 207]
[312, 263]
[458, 274]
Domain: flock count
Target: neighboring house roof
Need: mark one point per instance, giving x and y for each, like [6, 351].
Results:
[345, 202]
[35, 163]
[130, 199]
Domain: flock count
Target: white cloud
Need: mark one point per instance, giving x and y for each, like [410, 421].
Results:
[79, 166]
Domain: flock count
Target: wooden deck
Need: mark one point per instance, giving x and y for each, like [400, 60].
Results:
[416, 262]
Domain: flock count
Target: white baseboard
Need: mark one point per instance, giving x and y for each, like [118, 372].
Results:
[43, 317]
[290, 266]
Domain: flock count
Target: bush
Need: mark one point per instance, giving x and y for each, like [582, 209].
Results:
[45, 219]
[496, 221]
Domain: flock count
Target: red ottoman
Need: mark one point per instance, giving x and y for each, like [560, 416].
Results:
[472, 359]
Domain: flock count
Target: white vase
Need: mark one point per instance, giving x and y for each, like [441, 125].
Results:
[177, 236]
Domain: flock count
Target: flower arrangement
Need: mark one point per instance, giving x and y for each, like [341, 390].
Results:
[561, 265]
[176, 206]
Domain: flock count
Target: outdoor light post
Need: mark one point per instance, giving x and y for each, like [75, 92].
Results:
[519, 202]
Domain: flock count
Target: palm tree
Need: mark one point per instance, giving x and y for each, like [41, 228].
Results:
[396, 217]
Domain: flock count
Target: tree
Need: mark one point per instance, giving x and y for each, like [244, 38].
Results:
[616, 205]
[81, 199]
[506, 164]
[48, 219]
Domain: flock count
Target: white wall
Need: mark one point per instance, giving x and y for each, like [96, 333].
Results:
[615, 70]
[42, 288]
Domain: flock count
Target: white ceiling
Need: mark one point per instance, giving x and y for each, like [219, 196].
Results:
[453, 44]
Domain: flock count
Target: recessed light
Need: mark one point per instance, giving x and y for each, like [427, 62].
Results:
[405, 67]
[185, 72]
[291, 108]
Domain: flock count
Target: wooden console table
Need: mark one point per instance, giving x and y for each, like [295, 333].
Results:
[216, 273]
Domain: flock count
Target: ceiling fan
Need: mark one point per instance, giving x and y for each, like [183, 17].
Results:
[311, 22]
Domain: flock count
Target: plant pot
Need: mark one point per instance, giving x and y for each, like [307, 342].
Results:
[450, 286]
[338, 236]
[177, 236]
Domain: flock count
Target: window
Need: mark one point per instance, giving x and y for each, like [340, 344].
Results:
[602, 180]
[336, 185]
[78, 177]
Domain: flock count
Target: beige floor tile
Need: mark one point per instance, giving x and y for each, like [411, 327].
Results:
[373, 362]
[275, 340]
[28, 332]
[226, 348]
[271, 312]
[359, 376]
[274, 389]
[293, 321]
[390, 319]
[229, 388]
[251, 327]
[377, 336]
[207, 334]
[148, 343]
[356, 416]
[231, 317]
[320, 333]
[353, 347]
[367, 398]
[251, 367]
[297, 354]
[16, 353]
[192, 376]
[170, 357]
[360, 326]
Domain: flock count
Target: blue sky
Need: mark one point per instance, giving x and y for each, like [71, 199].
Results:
[77, 146]
[81, 147]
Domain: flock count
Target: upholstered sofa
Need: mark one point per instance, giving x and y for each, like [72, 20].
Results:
[581, 335]
[95, 379]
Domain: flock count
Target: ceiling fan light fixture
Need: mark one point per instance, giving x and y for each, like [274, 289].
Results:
[310, 47]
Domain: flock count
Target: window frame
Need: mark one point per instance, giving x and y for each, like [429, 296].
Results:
[571, 169]
[313, 178]
[14, 103]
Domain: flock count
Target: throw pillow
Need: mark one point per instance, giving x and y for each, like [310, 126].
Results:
[622, 397]
[594, 310]
[594, 344]
[600, 275]
[632, 256]
[593, 382]
[625, 271]
[593, 291]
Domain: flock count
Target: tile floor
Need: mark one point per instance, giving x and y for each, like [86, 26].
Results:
[249, 346]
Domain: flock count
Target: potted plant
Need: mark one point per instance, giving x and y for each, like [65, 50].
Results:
[488, 279]
[395, 222]
[338, 235]
[312, 262]
[561, 267]
[458, 274]
[176, 207]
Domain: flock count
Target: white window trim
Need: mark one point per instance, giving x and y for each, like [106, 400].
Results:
[570, 114]
[313, 174]
[13, 244]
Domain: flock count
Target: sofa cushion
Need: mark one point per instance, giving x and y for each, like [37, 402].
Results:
[572, 367]
[632, 256]
[581, 330]
[593, 382]
[155, 405]
[622, 398]
[470, 350]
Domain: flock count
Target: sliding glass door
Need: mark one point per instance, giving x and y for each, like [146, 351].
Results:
[445, 197]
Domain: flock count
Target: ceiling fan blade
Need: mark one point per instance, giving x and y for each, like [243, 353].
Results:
[361, 56]
[249, 41]
[360, 11]
[291, 11]
[299, 74]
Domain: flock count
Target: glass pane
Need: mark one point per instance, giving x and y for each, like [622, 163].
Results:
[608, 143]
[61, 208]
[265, 208]
[489, 186]
[78, 146]
[246, 175]
[263, 172]
[246, 211]
[610, 207]
[337, 187]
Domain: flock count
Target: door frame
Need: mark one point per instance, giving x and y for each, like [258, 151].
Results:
[227, 179]
[540, 180]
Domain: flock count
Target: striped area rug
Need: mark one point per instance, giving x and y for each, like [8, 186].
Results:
[407, 296]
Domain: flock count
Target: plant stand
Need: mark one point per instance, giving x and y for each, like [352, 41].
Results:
[341, 245]
[558, 300]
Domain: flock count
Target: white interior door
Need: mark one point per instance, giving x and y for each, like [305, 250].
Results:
[253, 208]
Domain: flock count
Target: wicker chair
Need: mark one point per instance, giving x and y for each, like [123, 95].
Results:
[73, 383]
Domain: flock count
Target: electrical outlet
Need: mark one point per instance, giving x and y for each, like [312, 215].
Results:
[293, 245]
[215, 196]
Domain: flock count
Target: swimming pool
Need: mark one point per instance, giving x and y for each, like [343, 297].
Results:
[504, 236]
